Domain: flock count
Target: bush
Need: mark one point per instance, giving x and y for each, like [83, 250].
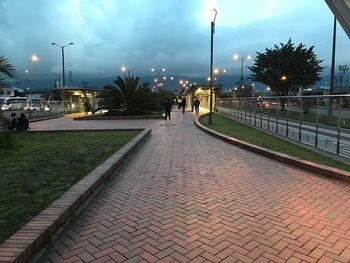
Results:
[6, 140]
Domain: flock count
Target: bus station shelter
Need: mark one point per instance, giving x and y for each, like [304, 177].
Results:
[77, 96]
[202, 92]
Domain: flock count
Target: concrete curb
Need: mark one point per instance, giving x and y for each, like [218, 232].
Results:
[33, 236]
[84, 118]
[46, 118]
[281, 157]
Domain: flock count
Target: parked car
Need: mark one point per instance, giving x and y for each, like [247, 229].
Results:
[34, 106]
[15, 103]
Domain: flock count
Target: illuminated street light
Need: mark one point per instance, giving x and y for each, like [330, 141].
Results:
[284, 77]
[124, 69]
[236, 57]
[218, 72]
[32, 59]
[212, 31]
[63, 73]
[158, 72]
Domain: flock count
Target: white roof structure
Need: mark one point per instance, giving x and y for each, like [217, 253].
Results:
[341, 10]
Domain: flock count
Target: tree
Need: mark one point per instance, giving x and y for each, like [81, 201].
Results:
[343, 69]
[286, 68]
[128, 97]
[6, 71]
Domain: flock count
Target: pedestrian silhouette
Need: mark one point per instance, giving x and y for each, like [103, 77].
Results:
[196, 105]
[167, 108]
[13, 124]
[22, 123]
[183, 105]
[86, 107]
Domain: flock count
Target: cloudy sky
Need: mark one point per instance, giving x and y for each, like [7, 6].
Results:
[174, 34]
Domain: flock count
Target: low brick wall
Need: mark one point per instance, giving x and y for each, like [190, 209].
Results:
[33, 236]
[104, 117]
[281, 157]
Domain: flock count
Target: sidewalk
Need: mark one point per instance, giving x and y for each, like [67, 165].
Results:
[188, 197]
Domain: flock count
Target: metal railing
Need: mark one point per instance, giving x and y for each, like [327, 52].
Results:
[40, 110]
[319, 121]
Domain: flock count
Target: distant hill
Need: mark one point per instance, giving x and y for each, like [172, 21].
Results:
[228, 81]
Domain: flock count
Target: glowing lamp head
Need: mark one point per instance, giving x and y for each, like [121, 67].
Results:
[34, 58]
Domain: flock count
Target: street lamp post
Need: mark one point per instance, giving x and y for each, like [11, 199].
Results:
[212, 31]
[63, 72]
[32, 59]
[158, 72]
[331, 88]
[236, 57]
[218, 72]
[128, 70]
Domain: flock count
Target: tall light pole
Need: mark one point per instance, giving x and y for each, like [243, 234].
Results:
[123, 68]
[212, 31]
[63, 73]
[32, 59]
[218, 72]
[158, 72]
[331, 87]
[236, 57]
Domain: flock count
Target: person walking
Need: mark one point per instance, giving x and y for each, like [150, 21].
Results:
[196, 105]
[179, 101]
[167, 108]
[183, 105]
[86, 107]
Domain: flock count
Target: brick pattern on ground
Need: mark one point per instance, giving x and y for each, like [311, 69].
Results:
[188, 197]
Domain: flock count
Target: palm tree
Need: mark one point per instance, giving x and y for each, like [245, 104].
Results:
[127, 97]
[6, 71]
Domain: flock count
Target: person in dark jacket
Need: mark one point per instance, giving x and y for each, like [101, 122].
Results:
[196, 105]
[167, 108]
[183, 105]
[22, 123]
[13, 125]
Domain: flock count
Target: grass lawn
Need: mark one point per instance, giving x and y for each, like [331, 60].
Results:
[257, 137]
[39, 167]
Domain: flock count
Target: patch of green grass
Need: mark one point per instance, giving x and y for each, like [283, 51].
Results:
[39, 167]
[248, 134]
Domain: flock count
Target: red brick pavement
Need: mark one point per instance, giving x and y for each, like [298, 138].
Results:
[187, 197]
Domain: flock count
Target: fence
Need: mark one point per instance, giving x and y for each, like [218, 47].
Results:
[40, 110]
[319, 121]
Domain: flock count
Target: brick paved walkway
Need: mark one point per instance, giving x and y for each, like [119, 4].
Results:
[187, 197]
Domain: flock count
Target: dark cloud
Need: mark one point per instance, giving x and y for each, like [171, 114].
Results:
[143, 34]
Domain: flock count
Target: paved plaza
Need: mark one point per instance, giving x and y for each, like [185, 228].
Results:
[188, 197]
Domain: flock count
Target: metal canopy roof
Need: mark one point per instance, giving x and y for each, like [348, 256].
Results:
[341, 10]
